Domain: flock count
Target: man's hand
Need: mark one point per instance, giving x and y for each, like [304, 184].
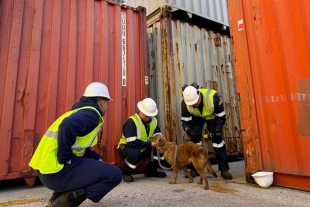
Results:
[187, 129]
[153, 144]
[164, 138]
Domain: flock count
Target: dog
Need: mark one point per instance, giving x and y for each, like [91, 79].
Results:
[186, 153]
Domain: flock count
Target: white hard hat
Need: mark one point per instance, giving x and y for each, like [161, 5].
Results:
[97, 89]
[190, 95]
[148, 107]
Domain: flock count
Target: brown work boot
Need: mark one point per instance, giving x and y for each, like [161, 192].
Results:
[226, 175]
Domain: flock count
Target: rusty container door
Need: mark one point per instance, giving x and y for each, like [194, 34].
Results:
[272, 60]
[50, 50]
[182, 53]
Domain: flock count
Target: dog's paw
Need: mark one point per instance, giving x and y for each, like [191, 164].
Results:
[172, 182]
[190, 180]
[199, 182]
[206, 188]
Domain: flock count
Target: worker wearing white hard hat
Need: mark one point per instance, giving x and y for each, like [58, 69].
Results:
[97, 89]
[135, 143]
[148, 107]
[64, 159]
[200, 107]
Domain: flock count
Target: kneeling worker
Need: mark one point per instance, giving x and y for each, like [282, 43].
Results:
[135, 145]
[64, 159]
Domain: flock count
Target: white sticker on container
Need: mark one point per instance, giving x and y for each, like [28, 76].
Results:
[123, 19]
[240, 25]
[146, 80]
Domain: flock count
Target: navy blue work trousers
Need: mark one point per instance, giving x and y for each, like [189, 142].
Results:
[97, 178]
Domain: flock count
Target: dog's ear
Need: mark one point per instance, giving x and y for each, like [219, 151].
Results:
[154, 139]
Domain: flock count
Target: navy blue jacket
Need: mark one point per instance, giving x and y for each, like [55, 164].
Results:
[130, 130]
[218, 108]
[80, 123]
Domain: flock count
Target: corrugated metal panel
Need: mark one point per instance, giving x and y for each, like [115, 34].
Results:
[215, 10]
[272, 59]
[49, 52]
[181, 53]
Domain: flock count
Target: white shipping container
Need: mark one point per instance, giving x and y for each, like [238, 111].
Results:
[215, 10]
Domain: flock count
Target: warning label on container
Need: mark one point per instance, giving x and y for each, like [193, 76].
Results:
[240, 25]
[123, 48]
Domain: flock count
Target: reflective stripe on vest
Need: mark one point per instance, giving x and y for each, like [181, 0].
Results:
[186, 118]
[45, 157]
[208, 105]
[51, 134]
[76, 146]
[141, 131]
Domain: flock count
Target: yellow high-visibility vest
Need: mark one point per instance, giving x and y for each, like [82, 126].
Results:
[141, 131]
[45, 157]
[208, 105]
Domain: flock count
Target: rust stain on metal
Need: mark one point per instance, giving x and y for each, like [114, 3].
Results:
[212, 85]
[217, 40]
[304, 107]
[168, 74]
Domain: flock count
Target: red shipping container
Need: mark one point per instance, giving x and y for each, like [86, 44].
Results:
[272, 60]
[50, 50]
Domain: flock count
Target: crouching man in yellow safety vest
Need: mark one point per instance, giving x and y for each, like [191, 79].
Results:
[135, 144]
[64, 159]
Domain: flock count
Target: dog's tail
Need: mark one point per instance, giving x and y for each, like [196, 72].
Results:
[210, 169]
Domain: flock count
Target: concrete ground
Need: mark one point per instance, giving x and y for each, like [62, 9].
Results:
[156, 192]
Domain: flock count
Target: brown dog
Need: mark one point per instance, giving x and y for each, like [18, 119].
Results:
[186, 153]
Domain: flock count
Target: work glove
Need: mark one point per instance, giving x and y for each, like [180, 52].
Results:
[195, 138]
[188, 131]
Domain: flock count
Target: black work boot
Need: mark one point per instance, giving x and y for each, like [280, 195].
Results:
[151, 171]
[127, 171]
[127, 178]
[226, 175]
[155, 174]
[70, 199]
[192, 171]
[54, 196]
